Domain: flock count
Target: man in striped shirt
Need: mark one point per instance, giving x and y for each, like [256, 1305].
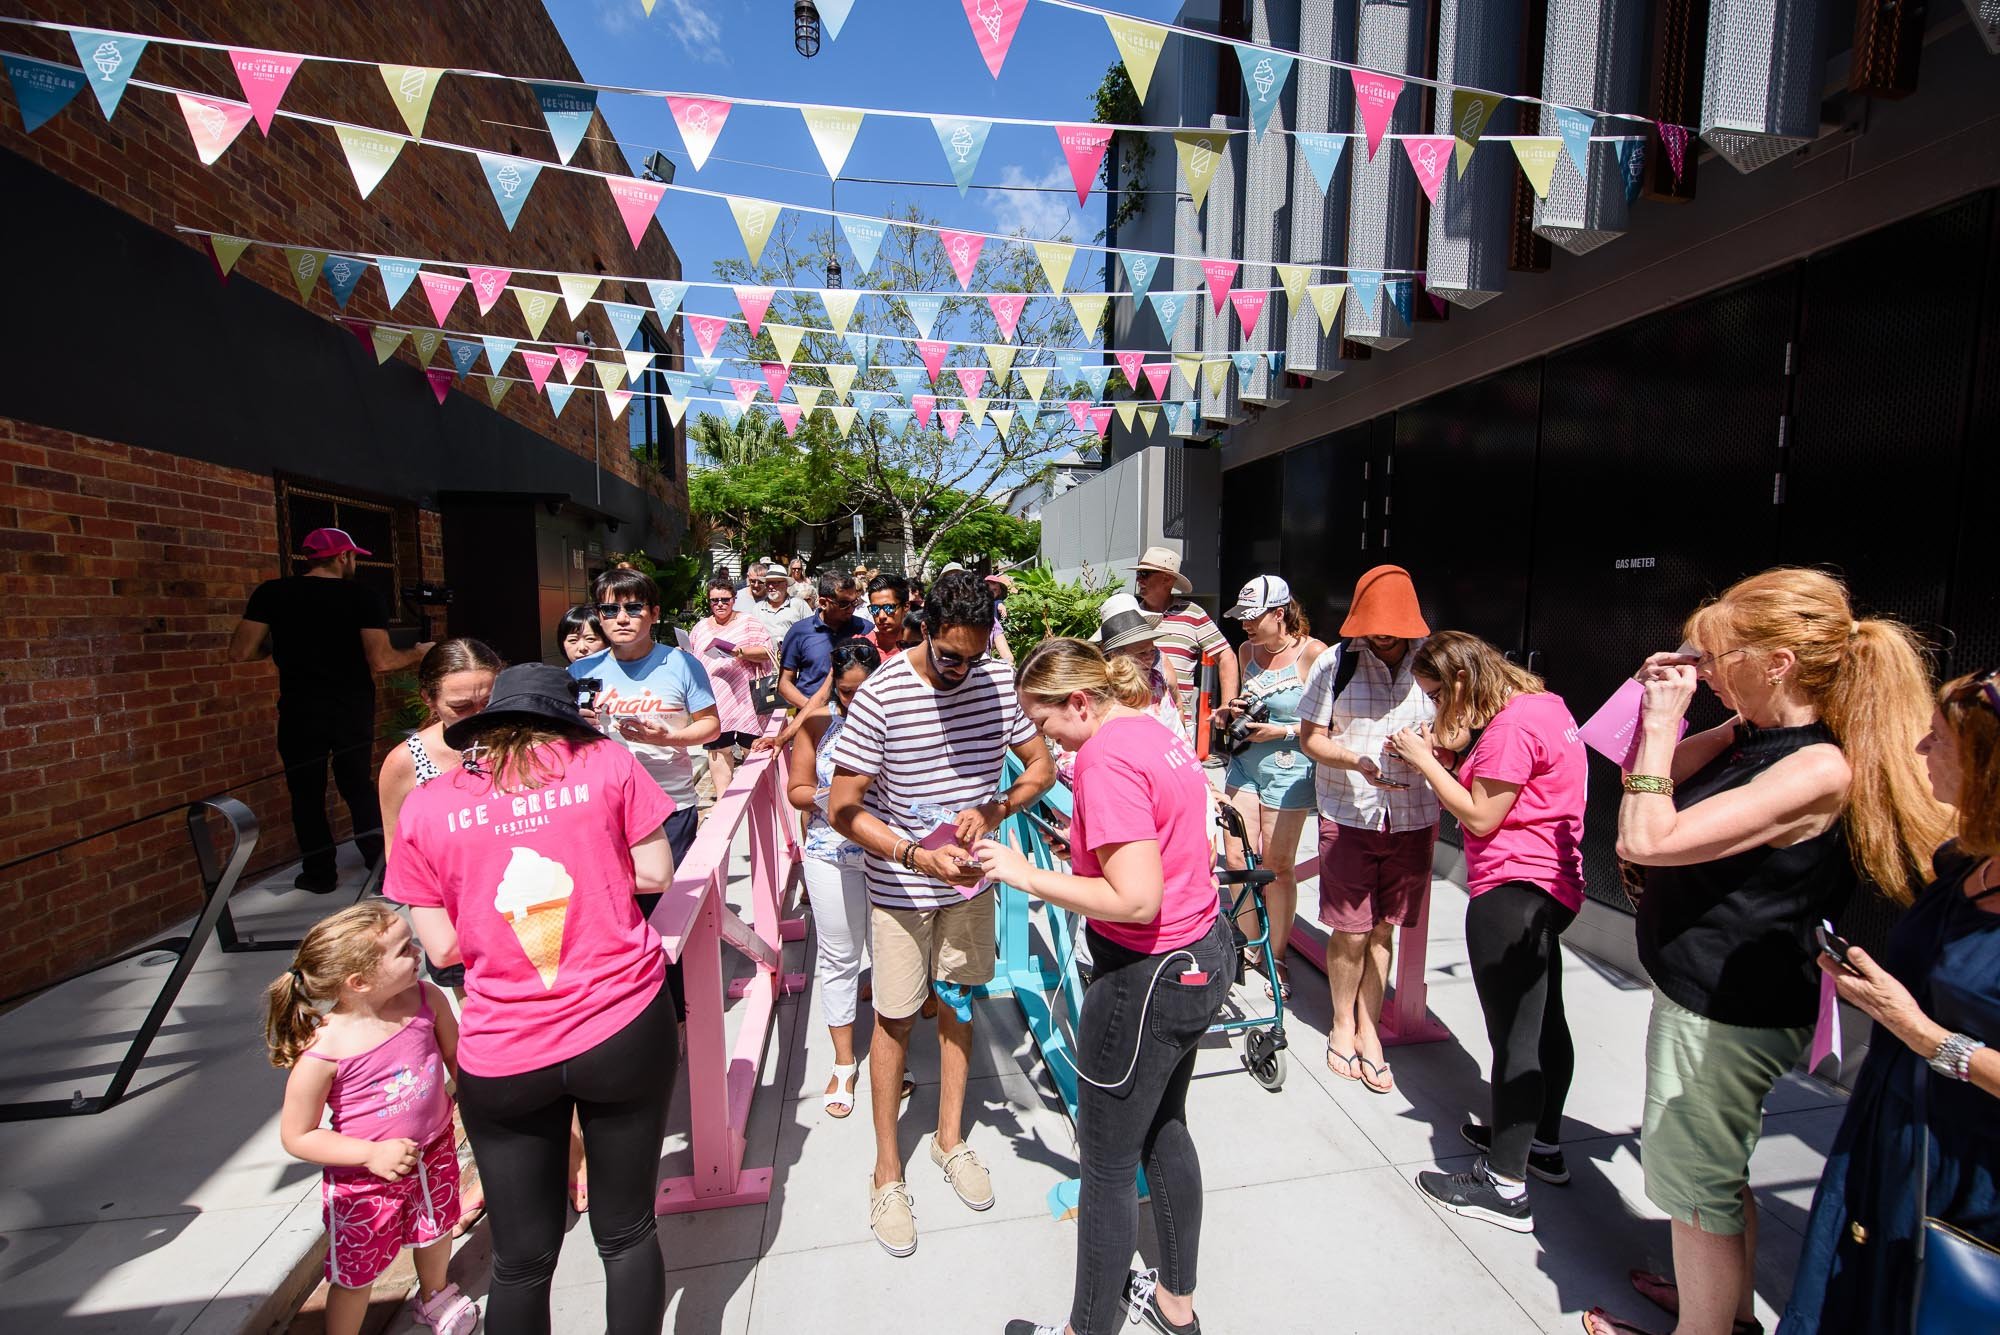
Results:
[916, 769]
[1186, 631]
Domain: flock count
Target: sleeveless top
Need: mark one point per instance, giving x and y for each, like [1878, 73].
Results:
[1732, 939]
[1280, 689]
[823, 842]
[426, 767]
[396, 1088]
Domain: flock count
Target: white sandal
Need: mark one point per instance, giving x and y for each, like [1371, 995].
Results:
[840, 1103]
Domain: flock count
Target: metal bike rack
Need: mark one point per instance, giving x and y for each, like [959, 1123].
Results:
[219, 880]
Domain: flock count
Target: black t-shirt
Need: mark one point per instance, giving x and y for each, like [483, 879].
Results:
[316, 626]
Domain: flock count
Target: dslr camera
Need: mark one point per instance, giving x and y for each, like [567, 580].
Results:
[1236, 733]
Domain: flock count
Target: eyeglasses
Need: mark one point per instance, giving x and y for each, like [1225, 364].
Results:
[1708, 662]
[607, 611]
[950, 661]
[1985, 688]
[837, 604]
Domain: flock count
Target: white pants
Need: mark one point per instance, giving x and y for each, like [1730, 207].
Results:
[839, 899]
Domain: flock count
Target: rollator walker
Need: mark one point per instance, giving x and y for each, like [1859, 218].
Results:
[1264, 1048]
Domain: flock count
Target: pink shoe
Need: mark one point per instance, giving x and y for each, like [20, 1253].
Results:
[449, 1312]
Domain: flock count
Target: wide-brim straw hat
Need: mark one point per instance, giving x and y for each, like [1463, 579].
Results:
[1123, 629]
[1166, 561]
[531, 691]
[1385, 603]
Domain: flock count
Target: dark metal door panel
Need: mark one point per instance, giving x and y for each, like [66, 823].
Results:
[1461, 502]
[1251, 541]
[1332, 509]
[1659, 453]
[1974, 606]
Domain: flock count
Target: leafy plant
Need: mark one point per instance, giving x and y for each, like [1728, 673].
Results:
[1042, 605]
[679, 579]
[411, 711]
[1118, 104]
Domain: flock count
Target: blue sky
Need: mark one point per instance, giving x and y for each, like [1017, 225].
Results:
[915, 55]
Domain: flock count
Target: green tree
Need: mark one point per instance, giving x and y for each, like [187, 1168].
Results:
[1042, 605]
[763, 500]
[718, 443]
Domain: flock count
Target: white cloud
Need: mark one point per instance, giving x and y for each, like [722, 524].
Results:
[1042, 214]
[697, 29]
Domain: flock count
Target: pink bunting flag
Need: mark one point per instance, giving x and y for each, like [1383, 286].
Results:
[1429, 156]
[744, 390]
[951, 419]
[923, 405]
[993, 24]
[440, 378]
[788, 413]
[700, 120]
[616, 400]
[1375, 95]
[707, 330]
[1129, 363]
[1007, 308]
[962, 249]
[970, 378]
[488, 285]
[362, 330]
[1100, 421]
[754, 301]
[636, 201]
[775, 376]
[1083, 146]
[1221, 275]
[1079, 413]
[214, 124]
[931, 353]
[571, 360]
[265, 75]
[441, 290]
[1249, 305]
[539, 365]
[1158, 374]
[1674, 138]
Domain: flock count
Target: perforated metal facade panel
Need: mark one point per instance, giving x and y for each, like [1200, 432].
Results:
[1197, 94]
[1382, 215]
[1594, 57]
[1267, 217]
[1324, 102]
[1760, 89]
[1222, 238]
[1479, 44]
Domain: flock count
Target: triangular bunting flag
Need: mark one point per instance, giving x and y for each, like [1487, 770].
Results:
[1056, 258]
[1538, 157]
[843, 420]
[463, 353]
[833, 13]
[488, 285]
[923, 308]
[1007, 308]
[559, 398]
[536, 307]
[1003, 419]
[1127, 410]
[1089, 308]
[1375, 96]
[571, 359]
[1079, 413]
[962, 249]
[625, 322]
[1128, 365]
[971, 379]
[510, 179]
[1219, 275]
[775, 376]
[1198, 150]
[839, 303]
[864, 238]
[1575, 128]
[577, 290]
[498, 350]
[227, 250]
[1158, 375]
[568, 112]
[975, 411]
[950, 420]
[1674, 138]
[1096, 376]
[1294, 277]
[425, 341]
[637, 364]
[343, 275]
[411, 88]
[789, 414]
[1168, 306]
[1326, 299]
[993, 24]
[785, 338]
[1322, 153]
[441, 290]
[1000, 360]
[386, 342]
[1149, 418]
[1215, 372]
[923, 405]
[1139, 271]
[931, 354]
[1034, 379]
[963, 140]
[1470, 111]
[754, 302]
[108, 60]
[265, 75]
[370, 153]
[833, 130]
[304, 266]
[1367, 285]
[213, 122]
[1069, 365]
[615, 400]
[1632, 162]
[440, 378]
[1401, 294]
[1139, 46]
[1249, 305]
[1264, 75]
[666, 298]
[744, 390]
[636, 201]
[1429, 156]
[676, 410]
[841, 376]
[707, 331]
[1083, 148]
[807, 395]
[1100, 421]
[397, 275]
[755, 220]
[1189, 365]
[700, 121]
[496, 389]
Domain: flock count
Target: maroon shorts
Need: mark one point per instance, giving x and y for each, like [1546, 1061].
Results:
[1368, 877]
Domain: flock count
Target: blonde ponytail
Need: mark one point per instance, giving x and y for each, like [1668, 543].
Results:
[336, 949]
[1058, 668]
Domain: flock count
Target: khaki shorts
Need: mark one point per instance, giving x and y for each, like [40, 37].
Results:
[912, 947]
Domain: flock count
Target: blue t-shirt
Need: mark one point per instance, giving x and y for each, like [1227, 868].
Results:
[808, 648]
[669, 685]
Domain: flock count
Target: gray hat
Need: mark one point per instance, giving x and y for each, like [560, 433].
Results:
[1121, 629]
[526, 691]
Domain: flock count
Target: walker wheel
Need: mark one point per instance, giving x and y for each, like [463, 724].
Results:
[1264, 1060]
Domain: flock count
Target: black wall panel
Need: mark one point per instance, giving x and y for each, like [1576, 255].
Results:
[1252, 544]
[1974, 606]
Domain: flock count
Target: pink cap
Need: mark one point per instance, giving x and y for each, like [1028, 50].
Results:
[322, 543]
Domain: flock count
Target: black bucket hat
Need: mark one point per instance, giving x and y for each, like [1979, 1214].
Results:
[526, 691]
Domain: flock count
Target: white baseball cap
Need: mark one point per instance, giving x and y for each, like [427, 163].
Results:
[1259, 596]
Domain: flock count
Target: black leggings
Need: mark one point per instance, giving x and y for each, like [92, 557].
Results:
[519, 1127]
[1511, 932]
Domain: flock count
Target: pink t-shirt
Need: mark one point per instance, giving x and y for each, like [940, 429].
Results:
[1532, 741]
[539, 885]
[1135, 780]
[731, 677]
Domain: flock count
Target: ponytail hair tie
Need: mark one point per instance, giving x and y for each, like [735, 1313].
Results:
[1853, 629]
[298, 979]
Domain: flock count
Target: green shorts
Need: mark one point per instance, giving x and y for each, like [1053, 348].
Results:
[1705, 1088]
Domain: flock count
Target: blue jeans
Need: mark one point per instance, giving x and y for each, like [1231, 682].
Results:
[1142, 1118]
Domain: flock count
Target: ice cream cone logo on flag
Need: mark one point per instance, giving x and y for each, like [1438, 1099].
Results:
[113, 57]
[536, 308]
[1293, 277]
[425, 341]
[744, 390]
[636, 201]
[265, 75]
[707, 331]
[1007, 307]
[962, 249]
[571, 361]
[213, 124]
[1326, 299]
[963, 141]
[993, 24]
[700, 121]
[1428, 158]
[1264, 74]
[1129, 363]
[1249, 305]
[533, 897]
[1469, 113]
[970, 378]
[839, 307]
[753, 219]
[342, 274]
[1139, 46]
[1079, 413]
[950, 420]
[510, 180]
[1197, 154]
[1083, 147]
[304, 265]
[1375, 95]
[1139, 271]
[487, 285]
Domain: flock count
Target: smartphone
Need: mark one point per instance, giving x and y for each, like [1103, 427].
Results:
[1832, 943]
[1050, 831]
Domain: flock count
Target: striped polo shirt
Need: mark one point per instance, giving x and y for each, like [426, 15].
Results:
[1186, 633]
[921, 745]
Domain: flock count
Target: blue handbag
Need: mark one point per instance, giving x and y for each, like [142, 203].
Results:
[1958, 1275]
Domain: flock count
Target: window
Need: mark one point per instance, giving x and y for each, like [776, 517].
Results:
[386, 528]
[649, 431]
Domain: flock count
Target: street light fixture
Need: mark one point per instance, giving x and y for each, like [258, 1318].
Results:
[805, 27]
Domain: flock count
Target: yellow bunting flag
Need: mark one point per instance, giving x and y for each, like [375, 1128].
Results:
[843, 418]
[411, 88]
[1326, 299]
[496, 389]
[1056, 258]
[785, 338]
[1198, 150]
[616, 401]
[1000, 357]
[676, 409]
[370, 154]
[1469, 113]
[637, 363]
[1294, 277]
[536, 307]
[833, 130]
[839, 303]
[1150, 419]
[1034, 379]
[807, 395]
[1126, 410]
[577, 290]
[610, 374]
[425, 341]
[1216, 373]
[386, 342]
[975, 411]
[1089, 310]
[228, 250]
[842, 377]
[1189, 365]
[1538, 161]
[1139, 46]
[755, 220]
[305, 266]
[1003, 420]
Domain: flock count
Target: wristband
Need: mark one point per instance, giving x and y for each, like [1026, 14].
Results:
[1954, 1056]
[1649, 783]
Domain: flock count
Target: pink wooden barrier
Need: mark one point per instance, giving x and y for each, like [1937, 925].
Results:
[695, 921]
[1406, 1017]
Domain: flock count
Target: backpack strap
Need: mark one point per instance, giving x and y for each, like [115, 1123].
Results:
[1344, 670]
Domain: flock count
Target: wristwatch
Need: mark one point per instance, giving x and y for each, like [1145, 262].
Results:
[1954, 1056]
[1292, 732]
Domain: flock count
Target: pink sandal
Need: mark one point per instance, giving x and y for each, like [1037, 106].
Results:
[449, 1312]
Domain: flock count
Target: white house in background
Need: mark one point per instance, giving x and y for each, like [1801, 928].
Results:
[1025, 502]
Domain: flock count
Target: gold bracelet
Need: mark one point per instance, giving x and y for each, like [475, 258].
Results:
[1649, 783]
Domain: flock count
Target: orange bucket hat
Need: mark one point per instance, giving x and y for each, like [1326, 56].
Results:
[1385, 603]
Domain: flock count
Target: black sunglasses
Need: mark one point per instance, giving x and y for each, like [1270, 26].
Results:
[942, 659]
[607, 611]
[1985, 688]
[884, 609]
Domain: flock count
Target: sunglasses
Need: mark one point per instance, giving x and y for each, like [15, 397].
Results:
[608, 611]
[884, 609]
[950, 661]
[837, 604]
[720, 599]
[1985, 688]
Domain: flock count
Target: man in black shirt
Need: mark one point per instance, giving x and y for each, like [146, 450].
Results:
[329, 637]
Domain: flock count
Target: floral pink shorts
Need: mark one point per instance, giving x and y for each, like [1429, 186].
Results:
[369, 1221]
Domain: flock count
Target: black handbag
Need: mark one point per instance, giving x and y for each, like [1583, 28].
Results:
[764, 695]
[1958, 1275]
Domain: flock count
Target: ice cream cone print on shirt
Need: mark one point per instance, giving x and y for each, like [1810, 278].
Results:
[534, 899]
